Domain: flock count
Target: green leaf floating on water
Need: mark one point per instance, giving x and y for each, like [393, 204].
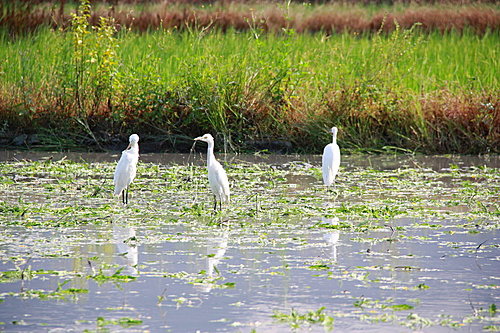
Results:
[401, 307]
[319, 267]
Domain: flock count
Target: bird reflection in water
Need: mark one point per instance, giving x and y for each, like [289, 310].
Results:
[332, 236]
[215, 251]
[124, 237]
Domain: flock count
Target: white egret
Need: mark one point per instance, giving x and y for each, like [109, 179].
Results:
[127, 168]
[331, 160]
[217, 177]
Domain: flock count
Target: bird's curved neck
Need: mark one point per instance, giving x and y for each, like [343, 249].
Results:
[334, 140]
[134, 147]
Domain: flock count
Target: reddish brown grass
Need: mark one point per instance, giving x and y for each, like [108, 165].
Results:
[272, 19]
[462, 120]
[440, 122]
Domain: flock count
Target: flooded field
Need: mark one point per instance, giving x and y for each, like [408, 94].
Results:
[401, 244]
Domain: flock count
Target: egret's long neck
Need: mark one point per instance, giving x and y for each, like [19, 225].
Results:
[334, 140]
[210, 153]
[134, 146]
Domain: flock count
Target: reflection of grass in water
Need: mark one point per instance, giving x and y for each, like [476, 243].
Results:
[59, 293]
[377, 311]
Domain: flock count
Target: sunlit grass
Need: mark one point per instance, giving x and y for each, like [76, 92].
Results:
[403, 91]
[451, 60]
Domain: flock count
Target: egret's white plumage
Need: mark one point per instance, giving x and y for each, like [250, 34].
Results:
[217, 176]
[127, 168]
[331, 160]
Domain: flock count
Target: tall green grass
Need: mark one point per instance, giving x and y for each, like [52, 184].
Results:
[434, 61]
[251, 86]
[431, 61]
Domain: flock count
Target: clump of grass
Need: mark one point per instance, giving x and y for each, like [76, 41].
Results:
[124, 322]
[463, 122]
[296, 320]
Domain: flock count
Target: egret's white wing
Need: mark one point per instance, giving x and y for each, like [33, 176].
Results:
[327, 165]
[219, 183]
[222, 178]
[125, 170]
[330, 163]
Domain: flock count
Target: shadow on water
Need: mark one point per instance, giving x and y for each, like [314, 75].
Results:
[403, 244]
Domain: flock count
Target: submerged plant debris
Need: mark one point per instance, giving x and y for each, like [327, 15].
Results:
[400, 243]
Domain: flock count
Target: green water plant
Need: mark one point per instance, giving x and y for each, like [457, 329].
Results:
[297, 320]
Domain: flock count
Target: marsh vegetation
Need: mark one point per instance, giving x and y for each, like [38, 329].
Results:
[91, 83]
[403, 243]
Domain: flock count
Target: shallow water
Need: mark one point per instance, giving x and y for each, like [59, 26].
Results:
[402, 244]
[383, 162]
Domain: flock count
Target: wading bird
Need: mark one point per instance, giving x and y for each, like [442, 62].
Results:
[217, 177]
[127, 168]
[331, 160]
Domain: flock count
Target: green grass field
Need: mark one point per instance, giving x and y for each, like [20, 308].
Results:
[425, 92]
[417, 63]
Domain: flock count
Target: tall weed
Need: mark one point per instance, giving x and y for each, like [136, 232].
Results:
[94, 64]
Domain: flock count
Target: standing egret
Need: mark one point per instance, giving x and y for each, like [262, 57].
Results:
[331, 160]
[217, 177]
[127, 168]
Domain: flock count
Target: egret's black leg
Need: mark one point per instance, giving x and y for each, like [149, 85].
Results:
[123, 197]
[126, 196]
[215, 203]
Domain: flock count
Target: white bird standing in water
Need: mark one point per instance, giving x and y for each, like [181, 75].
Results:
[331, 160]
[127, 168]
[217, 177]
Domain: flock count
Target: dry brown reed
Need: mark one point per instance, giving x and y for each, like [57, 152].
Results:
[447, 122]
[462, 121]
[271, 18]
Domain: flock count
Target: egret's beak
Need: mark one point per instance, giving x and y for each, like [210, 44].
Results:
[129, 146]
[198, 138]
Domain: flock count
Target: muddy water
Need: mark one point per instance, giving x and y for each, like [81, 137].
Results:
[382, 162]
[164, 264]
